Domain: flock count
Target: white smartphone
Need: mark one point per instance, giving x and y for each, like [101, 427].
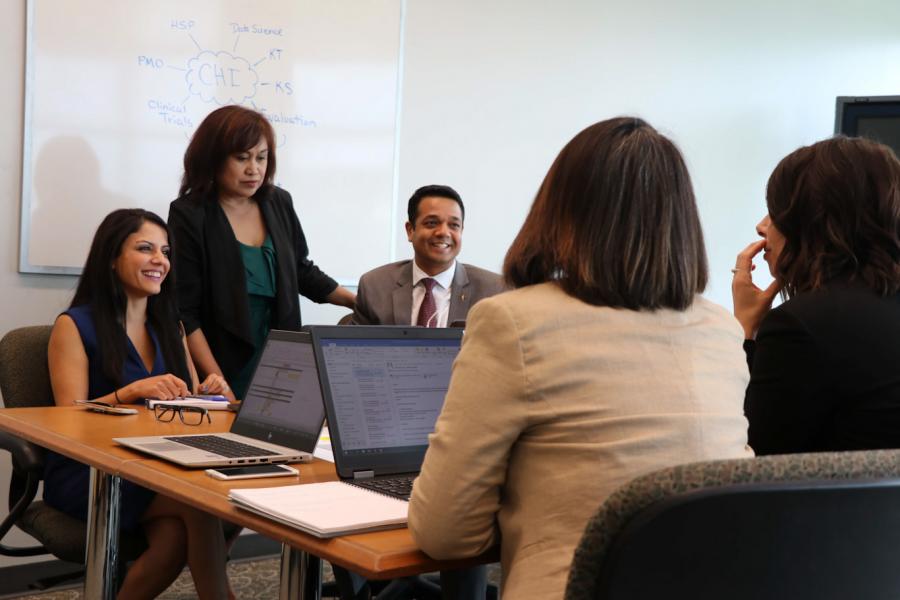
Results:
[105, 407]
[252, 471]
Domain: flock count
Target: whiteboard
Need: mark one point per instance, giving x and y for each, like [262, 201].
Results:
[114, 91]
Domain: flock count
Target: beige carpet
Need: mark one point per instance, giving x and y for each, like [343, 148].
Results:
[251, 580]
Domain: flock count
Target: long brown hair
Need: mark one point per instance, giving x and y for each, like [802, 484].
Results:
[225, 131]
[100, 287]
[614, 222]
[837, 204]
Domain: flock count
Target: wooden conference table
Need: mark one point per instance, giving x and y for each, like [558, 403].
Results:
[87, 437]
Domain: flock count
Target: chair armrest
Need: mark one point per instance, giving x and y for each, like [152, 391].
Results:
[18, 505]
[26, 456]
[28, 469]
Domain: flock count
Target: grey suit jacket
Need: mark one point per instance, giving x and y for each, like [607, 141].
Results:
[384, 296]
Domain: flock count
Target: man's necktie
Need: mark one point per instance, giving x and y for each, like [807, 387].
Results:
[427, 312]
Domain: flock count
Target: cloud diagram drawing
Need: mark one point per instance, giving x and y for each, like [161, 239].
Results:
[221, 77]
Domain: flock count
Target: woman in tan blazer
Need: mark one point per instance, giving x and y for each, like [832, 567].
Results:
[603, 364]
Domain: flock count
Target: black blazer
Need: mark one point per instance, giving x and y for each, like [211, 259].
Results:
[825, 373]
[209, 273]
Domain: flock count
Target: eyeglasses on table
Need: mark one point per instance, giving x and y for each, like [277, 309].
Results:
[189, 415]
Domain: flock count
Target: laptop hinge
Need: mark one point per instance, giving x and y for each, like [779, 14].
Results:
[363, 474]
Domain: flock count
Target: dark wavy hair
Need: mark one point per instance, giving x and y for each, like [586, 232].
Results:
[100, 287]
[614, 222]
[225, 131]
[837, 204]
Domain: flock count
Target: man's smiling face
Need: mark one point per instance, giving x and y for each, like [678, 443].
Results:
[436, 235]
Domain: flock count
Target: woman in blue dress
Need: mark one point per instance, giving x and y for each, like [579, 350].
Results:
[120, 341]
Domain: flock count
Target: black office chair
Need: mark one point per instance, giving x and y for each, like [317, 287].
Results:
[803, 526]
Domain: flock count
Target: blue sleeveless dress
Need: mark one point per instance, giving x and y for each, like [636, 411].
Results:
[65, 480]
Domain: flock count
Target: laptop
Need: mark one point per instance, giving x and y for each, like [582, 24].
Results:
[383, 388]
[279, 420]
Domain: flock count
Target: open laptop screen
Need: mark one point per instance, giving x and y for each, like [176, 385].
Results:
[384, 389]
[283, 403]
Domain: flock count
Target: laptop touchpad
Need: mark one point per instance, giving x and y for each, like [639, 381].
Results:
[164, 447]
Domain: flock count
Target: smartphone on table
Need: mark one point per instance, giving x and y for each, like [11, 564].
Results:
[105, 407]
[252, 471]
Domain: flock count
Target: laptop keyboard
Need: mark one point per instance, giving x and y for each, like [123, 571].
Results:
[223, 446]
[396, 486]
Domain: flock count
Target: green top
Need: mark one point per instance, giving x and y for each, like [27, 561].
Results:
[259, 270]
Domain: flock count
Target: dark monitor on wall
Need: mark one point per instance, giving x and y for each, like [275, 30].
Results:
[873, 117]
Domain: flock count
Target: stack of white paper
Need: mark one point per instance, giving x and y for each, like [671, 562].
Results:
[189, 401]
[324, 509]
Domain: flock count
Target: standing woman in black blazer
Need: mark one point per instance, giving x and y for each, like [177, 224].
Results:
[825, 364]
[242, 257]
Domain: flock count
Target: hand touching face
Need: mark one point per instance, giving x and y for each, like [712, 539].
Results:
[774, 242]
[750, 302]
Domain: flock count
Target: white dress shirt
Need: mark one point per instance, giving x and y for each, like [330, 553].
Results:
[441, 293]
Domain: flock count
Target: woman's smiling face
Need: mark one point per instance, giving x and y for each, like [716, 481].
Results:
[143, 261]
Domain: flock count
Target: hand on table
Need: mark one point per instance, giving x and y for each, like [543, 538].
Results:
[216, 384]
[161, 387]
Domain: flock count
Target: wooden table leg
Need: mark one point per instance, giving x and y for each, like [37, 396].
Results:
[102, 547]
[301, 575]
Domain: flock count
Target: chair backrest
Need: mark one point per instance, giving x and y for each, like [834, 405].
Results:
[818, 526]
[24, 375]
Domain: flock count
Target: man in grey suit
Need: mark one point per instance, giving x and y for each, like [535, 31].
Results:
[433, 289]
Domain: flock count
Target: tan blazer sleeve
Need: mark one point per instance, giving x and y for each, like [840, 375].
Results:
[452, 512]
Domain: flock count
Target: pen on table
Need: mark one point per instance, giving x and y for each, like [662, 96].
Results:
[213, 397]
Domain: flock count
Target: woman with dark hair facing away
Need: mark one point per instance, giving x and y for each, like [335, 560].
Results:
[825, 364]
[242, 256]
[120, 342]
[603, 364]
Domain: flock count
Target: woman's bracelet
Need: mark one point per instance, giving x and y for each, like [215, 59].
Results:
[116, 394]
